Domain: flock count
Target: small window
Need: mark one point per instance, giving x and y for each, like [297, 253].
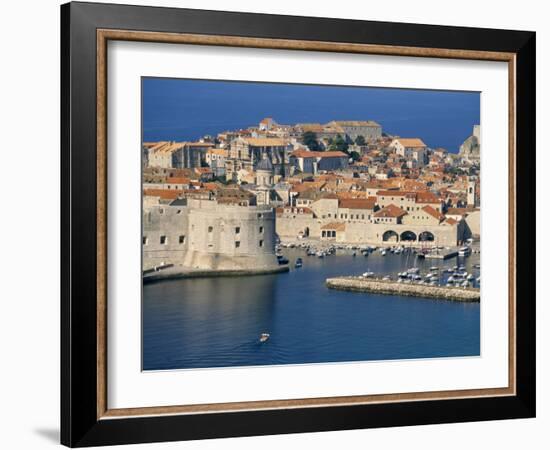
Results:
[237, 244]
[261, 243]
[237, 230]
[161, 211]
[261, 229]
[182, 239]
[178, 211]
[260, 216]
[163, 240]
[210, 229]
[144, 240]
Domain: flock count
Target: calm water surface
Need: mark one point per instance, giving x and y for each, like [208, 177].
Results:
[216, 322]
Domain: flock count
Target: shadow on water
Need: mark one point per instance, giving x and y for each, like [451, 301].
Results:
[217, 322]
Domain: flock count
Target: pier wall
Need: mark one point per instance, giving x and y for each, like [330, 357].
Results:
[375, 286]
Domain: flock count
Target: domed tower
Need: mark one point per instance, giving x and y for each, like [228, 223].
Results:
[264, 172]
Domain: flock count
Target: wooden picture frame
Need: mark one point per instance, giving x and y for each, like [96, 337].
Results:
[86, 418]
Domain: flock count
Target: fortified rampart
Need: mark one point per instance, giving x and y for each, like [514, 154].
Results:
[206, 235]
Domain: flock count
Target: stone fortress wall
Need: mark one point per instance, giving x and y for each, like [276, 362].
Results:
[205, 235]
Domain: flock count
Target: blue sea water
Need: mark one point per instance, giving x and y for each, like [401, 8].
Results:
[216, 322]
[181, 109]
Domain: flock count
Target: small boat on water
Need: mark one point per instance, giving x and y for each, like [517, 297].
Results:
[368, 274]
[387, 278]
[264, 337]
[464, 251]
[320, 254]
[434, 268]
[282, 259]
[354, 254]
[298, 263]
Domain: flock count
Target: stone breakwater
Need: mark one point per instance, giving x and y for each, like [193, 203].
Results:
[172, 272]
[376, 286]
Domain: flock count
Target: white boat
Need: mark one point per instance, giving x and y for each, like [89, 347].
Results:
[368, 274]
[470, 277]
[383, 252]
[387, 278]
[264, 337]
[464, 251]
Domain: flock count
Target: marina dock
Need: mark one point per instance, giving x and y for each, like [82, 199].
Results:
[379, 286]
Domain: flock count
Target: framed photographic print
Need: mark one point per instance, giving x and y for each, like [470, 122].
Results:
[278, 224]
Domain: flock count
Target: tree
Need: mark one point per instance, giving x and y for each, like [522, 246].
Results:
[309, 138]
[355, 156]
[339, 144]
[360, 140]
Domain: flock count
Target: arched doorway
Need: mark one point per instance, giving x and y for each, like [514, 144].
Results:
[426, 236]
[408, 236]
[390, 236]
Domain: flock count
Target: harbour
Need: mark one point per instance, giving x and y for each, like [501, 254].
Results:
[215, 322]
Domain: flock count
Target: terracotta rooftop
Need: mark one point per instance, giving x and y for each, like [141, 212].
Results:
[165, 194]
[390, 211]
[434, 213]
[310, 154]
[411, 142]
[357, 203]
[266, 142]
[355, 123]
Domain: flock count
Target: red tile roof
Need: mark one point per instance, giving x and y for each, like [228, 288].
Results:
[165, 194]
[357, 203]
[432, 212]
[390, 211]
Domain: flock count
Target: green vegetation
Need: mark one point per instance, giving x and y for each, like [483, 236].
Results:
[355, 156]
[360, 140]
[309, 138]
[339, 143]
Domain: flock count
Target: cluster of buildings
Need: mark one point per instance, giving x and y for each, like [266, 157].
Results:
[221, 203]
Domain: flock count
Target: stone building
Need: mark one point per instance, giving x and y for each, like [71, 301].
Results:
[250, 151]
[470, 149]
[412, 149]
[312, 162]
[215, 158]
[409, 200]
[204, 234]
[180, 155]
[369, 129]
